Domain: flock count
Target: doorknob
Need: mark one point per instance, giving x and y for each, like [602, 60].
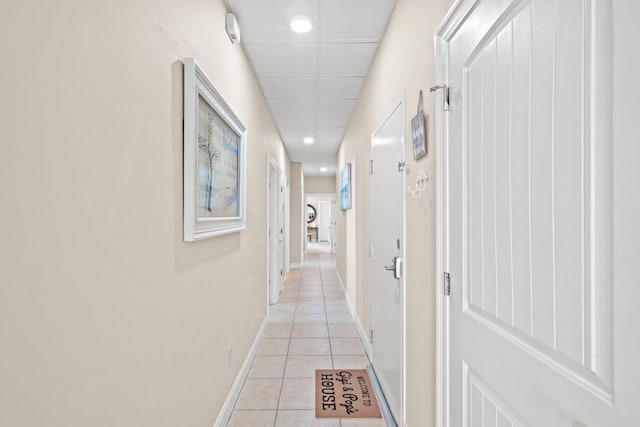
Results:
[392, 267]
[396, 267]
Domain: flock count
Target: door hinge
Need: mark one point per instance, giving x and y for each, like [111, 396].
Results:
[445, 90]
[371, 167]
[401, 166]
[371, 336]
[447, 284]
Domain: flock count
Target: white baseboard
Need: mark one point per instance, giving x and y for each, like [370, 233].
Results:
[295, 265]
[227, 409]
[364, 335]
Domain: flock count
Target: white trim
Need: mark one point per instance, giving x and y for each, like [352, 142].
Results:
[447, 29]
[227, 409]
[454, 18]
[442, 401]
[364, 336]
[405, 126]
[296, 265]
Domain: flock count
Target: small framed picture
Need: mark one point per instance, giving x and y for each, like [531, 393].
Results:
[345, 187]
[419, 134]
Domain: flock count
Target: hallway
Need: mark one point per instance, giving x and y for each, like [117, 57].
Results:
[310, 328]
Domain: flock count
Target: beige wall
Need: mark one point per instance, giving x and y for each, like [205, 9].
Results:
[404, 63]
[319, 184]
[298, 210]
[107, 318]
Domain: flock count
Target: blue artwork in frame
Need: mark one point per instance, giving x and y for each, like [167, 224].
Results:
[345, 187]
[215, 151]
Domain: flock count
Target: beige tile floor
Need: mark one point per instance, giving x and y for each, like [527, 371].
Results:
[310, 328]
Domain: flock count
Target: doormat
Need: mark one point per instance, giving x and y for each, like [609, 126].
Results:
[345, 393]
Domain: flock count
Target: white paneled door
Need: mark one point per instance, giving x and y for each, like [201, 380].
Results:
[528, 214]
[387, 258]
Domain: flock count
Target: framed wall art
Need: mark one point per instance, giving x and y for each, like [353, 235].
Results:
[214, 160]
[418, 132]
[345, 187]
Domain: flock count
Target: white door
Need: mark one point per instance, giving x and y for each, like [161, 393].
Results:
[275, 234]
[387, 240]
[534, 338]
[281, 227]
[324, 220]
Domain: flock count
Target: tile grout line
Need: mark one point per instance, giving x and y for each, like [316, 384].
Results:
[286, 360]
[322, 276]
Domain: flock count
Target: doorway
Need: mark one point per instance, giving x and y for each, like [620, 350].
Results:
[387, 258]
[275, 231]
[320, 223]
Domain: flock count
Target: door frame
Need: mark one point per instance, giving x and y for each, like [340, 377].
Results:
[272, 164]
[456, 15]
[332, 197]
[402, 104]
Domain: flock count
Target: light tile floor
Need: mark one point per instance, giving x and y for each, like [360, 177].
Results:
[310, 328]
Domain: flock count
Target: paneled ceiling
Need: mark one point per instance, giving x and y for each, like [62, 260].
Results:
[311, 80]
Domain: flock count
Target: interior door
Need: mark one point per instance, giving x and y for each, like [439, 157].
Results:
[528, 163]
[387, 239]
[276, 237]
[324, 220]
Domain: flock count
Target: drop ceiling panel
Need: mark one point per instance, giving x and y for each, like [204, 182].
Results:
[343, 20]
[299, 61]
[322, 136]
[330, 134]
[295, 136]
[341, 87]
[301, 155]
[297, 154]
[293, 113]
[328, 152]
[335, 112]
[289, 87]
[315, 151]
[347, 59]
[263, 21]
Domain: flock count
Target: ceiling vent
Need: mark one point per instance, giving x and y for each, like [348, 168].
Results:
[233, 29]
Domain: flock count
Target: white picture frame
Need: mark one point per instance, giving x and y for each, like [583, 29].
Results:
[214, 174]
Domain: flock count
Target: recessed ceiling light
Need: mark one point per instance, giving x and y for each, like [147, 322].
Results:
[301, 24]
[323, 169]
[308, 140]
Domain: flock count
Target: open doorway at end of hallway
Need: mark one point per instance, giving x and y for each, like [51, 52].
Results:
[320, 220]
